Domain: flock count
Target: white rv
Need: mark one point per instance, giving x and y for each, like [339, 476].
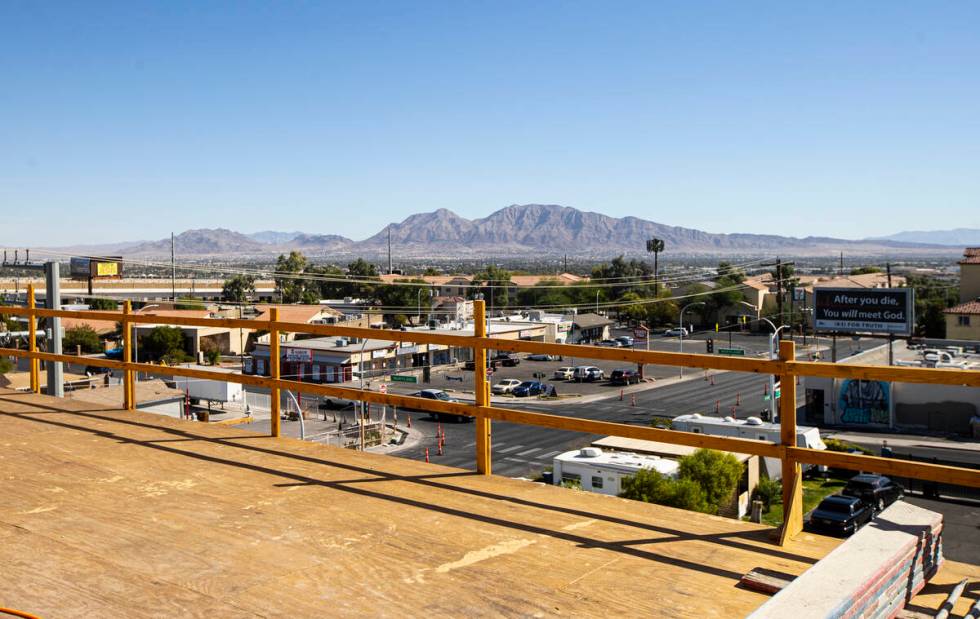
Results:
[603, 472]
[750, 428]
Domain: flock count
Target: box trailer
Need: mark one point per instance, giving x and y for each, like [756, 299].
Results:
[210, 390]
[603, 472]
[751, 428]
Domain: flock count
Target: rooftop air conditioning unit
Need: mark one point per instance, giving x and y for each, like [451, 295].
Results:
[753, 421]
[341, 341]
[590, 452]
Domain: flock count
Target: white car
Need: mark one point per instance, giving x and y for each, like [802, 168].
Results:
[588, 373]
[505, 386]
[675, 332]
[564, 374]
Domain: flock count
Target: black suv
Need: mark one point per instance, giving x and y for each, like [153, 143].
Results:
[624, 377]
[506, 360]
[877, 491]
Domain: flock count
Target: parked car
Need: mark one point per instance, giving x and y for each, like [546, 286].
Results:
[609, 343]
[584, 373]
[541, 357]
[506, 359]
[625, 341]
[675, 332]
[528, 388]
[442, 396]
[624, 377]
[564, 373]
[505, 386]
[840, 515]
[336, 404]
[877, 491]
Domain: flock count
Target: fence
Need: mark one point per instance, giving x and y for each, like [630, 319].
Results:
[786, 368]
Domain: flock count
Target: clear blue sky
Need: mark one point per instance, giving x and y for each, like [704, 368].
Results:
[126, 120]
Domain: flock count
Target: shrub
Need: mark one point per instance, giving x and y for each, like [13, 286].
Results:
[103, 304]
[835, 444]
[768, 491]
[715, 472]
[652, 487]
[6, 365]
[84, 336]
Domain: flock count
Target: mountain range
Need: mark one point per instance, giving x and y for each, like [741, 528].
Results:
[529, 230]
[958, 237]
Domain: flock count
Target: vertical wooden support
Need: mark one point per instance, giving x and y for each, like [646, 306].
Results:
[32, 343]
[274, 370]
[481, 388]
[792, 472]
[129, 388]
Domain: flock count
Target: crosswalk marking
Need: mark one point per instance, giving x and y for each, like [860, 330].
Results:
[509, 449]
[547, 456]
[529, 451]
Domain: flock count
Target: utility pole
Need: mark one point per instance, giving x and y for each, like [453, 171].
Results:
[390, 267]
[891, 336]
[840, 271]
[779, 290]
[173, 268]
[56, 377]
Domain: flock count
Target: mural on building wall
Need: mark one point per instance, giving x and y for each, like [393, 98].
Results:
[863, 401]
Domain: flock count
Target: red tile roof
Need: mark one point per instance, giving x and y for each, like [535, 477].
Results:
[971, 255]
[970, 307]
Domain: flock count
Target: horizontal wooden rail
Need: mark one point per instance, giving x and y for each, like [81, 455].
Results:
[890, 466]
[970, 378]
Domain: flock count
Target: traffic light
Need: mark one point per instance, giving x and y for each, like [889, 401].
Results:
[710, 345]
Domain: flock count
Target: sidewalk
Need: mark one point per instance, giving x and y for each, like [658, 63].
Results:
[904, 440]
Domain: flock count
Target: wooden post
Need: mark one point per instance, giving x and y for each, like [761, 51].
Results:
[274, 370]
[129, 390]
[32, 343]
[481, 388]
[792, 473]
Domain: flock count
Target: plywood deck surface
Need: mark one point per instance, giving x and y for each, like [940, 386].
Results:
[105, 513]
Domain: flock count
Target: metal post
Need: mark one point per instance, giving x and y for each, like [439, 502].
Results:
[682, 329]
[274, 371]
[772, 377]
[56, 382]
[32, 344]
[792, 472]
[129, 390]
[173, 268]
[891, 336]
[484, 463]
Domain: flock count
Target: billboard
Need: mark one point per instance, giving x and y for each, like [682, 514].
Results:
[864, 310]
[96, 268]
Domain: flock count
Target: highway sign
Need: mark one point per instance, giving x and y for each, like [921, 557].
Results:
[398, 378]
[735, 352]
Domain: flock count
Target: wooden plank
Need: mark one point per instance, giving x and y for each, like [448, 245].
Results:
[111, 514]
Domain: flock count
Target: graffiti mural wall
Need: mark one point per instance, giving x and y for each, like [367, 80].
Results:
[864, 402]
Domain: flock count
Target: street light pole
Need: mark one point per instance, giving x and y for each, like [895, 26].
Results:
[772, 377]
[682, 328]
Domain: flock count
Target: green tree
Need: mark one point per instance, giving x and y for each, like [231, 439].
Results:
[163, 343]
[727, 290]
[399, 298]
[212, 354]
[495, 286]
[865, 270]
[625, 276]
[431, 272]
[715, 472]
[361, 269]
[238, 288]
[103, 304]
[664, 311]
[6, 365]
[84, 336]
[547, 292]
[288, 267]
[330, 282]
[932, 297]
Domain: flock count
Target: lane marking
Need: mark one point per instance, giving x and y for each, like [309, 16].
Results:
[547, 456]
[529, 451]
[509, 449]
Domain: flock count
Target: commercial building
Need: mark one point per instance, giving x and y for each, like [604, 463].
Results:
[589, 328]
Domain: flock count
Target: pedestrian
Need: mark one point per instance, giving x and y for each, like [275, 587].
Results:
[886, 451]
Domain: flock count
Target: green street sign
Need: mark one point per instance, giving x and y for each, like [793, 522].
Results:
[735, 352]
[404, 379]
[766, 397]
